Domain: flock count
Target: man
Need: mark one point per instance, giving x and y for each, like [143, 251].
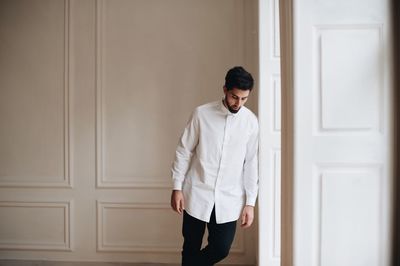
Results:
[215, 172]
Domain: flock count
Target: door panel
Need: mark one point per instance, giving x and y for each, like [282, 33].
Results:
[270, 131]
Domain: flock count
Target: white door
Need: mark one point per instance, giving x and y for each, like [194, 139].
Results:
[340, 125]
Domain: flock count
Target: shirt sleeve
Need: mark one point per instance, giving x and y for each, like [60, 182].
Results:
[250, 169]
[184, 151]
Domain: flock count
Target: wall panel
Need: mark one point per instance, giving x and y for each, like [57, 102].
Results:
[34, 95]
[135, 227]
[140, 91]
[35, 225]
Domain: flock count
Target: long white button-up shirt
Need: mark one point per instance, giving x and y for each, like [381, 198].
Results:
[216, 162]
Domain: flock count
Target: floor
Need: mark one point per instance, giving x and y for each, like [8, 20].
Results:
[58, 263]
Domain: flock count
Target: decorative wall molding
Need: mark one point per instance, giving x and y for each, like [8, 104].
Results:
[99, 88]
[151, 182]
[322, 127]
[101, 242]
[67, 181]
[103, 246]
[67, 96]
[64, 245]
[103, 181]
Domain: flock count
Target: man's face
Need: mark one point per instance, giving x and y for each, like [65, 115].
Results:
[235, 99]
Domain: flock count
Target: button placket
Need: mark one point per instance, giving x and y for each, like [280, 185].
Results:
[223, 149]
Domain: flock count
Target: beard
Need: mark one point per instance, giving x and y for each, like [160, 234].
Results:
[230, 107]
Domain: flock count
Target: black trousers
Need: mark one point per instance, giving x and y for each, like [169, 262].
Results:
[220, 238]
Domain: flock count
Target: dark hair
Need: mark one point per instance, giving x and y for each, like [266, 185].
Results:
[238, 77]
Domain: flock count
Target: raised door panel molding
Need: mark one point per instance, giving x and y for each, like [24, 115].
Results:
[276, 239]
[35, 226]
[349, 202]
[276, 105]
[276, 28]
[349, 61]
[35, 94]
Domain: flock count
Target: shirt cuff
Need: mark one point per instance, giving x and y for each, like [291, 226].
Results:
[251, 201]
[177, 185]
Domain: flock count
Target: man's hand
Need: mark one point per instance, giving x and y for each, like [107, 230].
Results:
[177, 201]
[247, 216]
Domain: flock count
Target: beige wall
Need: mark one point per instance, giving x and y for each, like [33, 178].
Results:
[93, 98]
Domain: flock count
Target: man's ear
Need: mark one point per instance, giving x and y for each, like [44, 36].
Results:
[225, 90]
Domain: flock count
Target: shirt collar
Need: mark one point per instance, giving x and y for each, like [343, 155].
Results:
[225, 110]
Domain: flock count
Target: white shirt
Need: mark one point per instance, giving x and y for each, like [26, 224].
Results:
[216, 162]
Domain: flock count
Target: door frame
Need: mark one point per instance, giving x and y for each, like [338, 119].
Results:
[287, 161]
